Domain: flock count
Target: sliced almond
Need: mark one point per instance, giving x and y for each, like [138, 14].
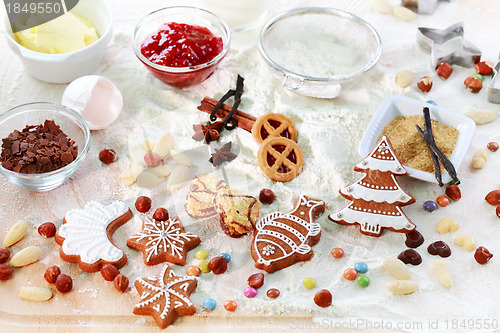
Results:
[178, 177]
[405, 78]
[148, 180]
[383, 6]
[130, 176]
[26, 256]
[35, 294]
[181, 158]
[396, 268]
[481, 116]
[162, 171]
[442, 273]
[403, 13]
[402, 287]
[15, 233]
[164, 145]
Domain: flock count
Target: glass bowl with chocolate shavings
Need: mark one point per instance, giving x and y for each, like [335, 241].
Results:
[42, 144]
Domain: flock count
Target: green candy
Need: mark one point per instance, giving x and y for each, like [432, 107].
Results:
[363, 281]
[479, 76]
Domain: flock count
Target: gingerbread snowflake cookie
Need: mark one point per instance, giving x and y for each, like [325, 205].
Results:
[162, 241]
[281, 240]
[377, 197]
[166, 297]
[86, 235]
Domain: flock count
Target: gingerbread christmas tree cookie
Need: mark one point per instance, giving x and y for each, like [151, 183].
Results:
[166, 297]
[161, 241]
[86, 235]
[377, 197]
[281, 240]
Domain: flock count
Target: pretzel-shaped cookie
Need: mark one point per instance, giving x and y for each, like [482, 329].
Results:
[280, 159]
[273, 125]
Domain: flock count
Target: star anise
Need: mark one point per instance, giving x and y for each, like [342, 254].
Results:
[222, 155]
[209, 132]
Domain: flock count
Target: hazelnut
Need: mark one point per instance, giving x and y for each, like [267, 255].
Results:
[64, 283]
[425, 84]
[256, 280]
[218, 265]
[121, 283]
[4, 255]
[47, 229]
[107, 156]
[444, 70]
[453, 192]
[109, 272]
[143, 204]
[473, 84]
[323, 298]
[5, 272]
[152, 159]
[266, 196]
[484, 67]
[492, 146]
[160, 214]
[51, 274]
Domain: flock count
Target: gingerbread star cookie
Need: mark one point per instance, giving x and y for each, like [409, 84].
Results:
[86, 235]
[161, 241]
[165, 298]
[281, 240]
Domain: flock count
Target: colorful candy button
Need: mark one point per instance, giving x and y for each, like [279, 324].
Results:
[361, 267]
[273, 293]
[363, 281]
[350, 274]
[201, 254]
[443, 201]
[431, 102]
[309, 283]
[209, 304]
[230, 305]
[250, 292]
[337, 252]
[204, 266]
[430, 206]
[193, 271]
[225, 255]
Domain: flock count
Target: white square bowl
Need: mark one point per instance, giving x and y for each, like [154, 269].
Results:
[396, 106]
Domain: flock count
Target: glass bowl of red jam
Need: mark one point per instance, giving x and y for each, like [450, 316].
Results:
[181, 45]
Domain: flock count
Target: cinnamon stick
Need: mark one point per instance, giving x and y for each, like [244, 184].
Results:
[245, 121]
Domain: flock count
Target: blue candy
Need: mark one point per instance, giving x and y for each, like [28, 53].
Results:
[226, 256]
[431, 102]
[430, 206]
[209, 304]
[361, 267]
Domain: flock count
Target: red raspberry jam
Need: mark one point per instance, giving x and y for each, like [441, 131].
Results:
[181, 45]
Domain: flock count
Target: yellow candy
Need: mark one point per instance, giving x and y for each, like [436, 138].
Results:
[204, 267]
[202, 254]
[309, 283]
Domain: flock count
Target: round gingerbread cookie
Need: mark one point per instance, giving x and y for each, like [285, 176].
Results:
[280, 159]
[273, 125]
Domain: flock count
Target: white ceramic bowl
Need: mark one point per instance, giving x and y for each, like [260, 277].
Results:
[395, 106]
[65, 67]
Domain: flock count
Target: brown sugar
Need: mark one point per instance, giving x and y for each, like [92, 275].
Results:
[411, 149]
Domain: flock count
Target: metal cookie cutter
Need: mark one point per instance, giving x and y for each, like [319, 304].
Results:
[467, 55]
[494, 90]
[422, 6]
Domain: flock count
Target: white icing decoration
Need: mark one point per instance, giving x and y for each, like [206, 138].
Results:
[371, 222]
[165, 291]
[85, 232]
[313, 229]
[166, 234]
[372, 163]
[361, 192]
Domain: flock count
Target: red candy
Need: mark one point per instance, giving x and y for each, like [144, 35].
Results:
[230, 305]
[482, 255]
[337, 252]
[181, 45]
[442, 201]
[350, 274]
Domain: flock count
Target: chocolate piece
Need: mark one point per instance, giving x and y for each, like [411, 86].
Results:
[410, 257]
[256, 280]
[38, 149]
[439, 248]
[414, 239]
[482, 255]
